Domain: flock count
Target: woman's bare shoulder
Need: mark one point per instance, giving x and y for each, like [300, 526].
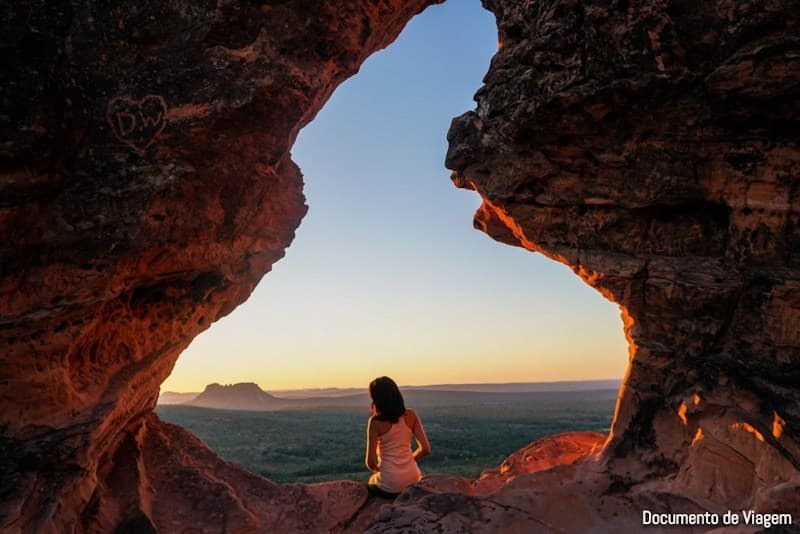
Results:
[410, 416]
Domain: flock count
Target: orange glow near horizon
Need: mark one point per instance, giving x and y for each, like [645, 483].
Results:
[421, 344]
[341, 369]
[296, 333]
[416, 343]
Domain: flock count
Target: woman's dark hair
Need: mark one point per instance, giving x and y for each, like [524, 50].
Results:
[387, 398]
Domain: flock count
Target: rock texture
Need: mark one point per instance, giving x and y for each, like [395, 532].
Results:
[163, 478]
[654, 148]
[550, 486]
[146, 186]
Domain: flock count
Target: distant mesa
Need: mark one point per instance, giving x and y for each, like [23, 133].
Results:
[242, 396]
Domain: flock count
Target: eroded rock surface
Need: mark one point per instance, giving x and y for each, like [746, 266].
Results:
[146, 186]
[653, 147]
[164, 478]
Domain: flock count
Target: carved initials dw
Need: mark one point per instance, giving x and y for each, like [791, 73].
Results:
[137, 123]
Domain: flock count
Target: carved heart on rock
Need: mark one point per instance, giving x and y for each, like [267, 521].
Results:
[137, 123]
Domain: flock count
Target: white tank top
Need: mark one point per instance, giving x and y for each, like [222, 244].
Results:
[396, 464]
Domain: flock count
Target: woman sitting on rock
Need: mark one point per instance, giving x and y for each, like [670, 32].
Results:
[389, 433]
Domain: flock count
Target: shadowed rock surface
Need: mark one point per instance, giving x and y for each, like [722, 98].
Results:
[146, 187]
[653, 147]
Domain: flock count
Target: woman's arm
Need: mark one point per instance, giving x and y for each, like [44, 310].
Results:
[423, 445]
[371, 460]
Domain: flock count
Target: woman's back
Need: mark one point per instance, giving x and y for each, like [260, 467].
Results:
[389, 431]
[396, 462]
[394, 446]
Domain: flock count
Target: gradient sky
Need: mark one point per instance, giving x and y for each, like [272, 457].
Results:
[386, 274]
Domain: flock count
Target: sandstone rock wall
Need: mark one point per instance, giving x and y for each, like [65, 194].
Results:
[653, 147]
[145, 188]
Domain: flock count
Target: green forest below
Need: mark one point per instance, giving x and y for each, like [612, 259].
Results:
[320, 444]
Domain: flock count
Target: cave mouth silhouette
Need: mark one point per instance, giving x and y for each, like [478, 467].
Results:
[394, 184]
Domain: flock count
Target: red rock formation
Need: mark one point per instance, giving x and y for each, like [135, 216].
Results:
[146, 186]
[549, 486]
[653, 148]
[163, 477]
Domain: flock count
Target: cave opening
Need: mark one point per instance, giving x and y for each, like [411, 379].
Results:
[386, 277]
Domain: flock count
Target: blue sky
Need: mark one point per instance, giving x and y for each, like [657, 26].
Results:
[386, 274]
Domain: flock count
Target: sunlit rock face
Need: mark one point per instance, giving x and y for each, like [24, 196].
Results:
[654, 148]
[146, 186]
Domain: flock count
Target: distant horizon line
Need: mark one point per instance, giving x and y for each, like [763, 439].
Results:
[320, 388]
